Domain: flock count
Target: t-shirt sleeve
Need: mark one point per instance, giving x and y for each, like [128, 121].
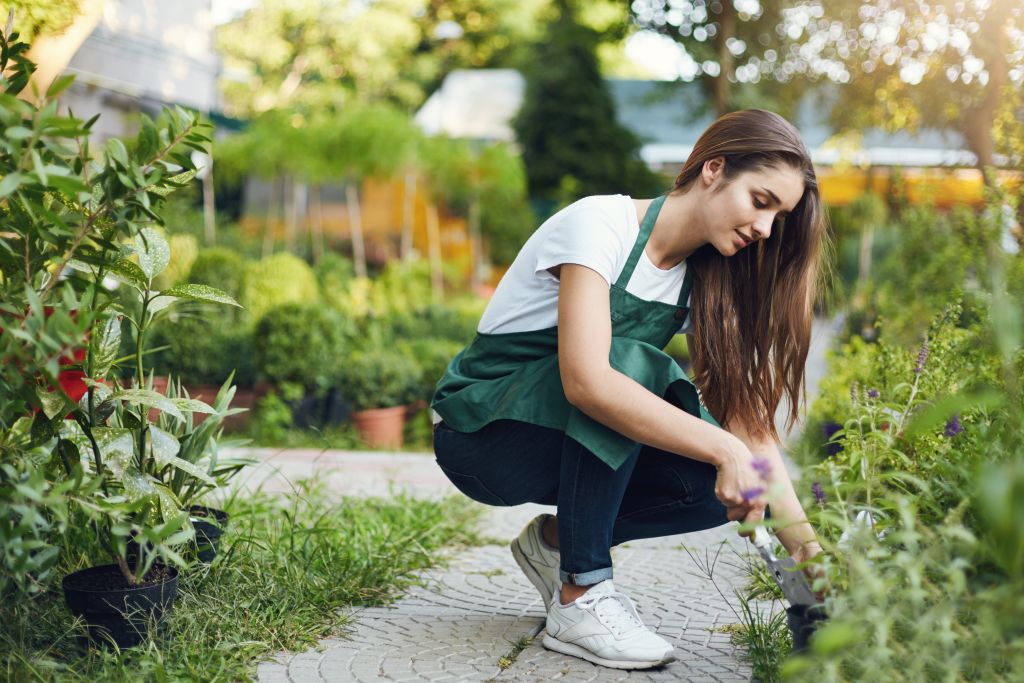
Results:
[586, 235]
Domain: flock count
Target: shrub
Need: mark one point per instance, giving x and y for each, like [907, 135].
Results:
[219, 267]
[302, 344]
[278, 279]
[433, 356]
[378, 378]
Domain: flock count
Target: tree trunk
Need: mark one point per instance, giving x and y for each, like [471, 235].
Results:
[408, 197]
[316, 226]
[268, 233]
[434, 249]
[291, 213]
[209, 204]
[992, 47]
[355, 221]
[722, 86]
[475, 248]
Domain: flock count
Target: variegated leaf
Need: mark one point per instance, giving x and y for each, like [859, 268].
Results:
[193, 405]
[202, 293]
[165, 445]
[53, 402]
[151, 399]
[161, 302]
[153, 251]
[129, 273]
[106, 340]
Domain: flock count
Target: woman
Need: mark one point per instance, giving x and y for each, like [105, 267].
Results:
[566, 398]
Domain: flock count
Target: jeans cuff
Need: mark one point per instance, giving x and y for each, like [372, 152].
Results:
[585, 578]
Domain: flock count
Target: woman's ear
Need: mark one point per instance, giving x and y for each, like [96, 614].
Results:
[713, 171]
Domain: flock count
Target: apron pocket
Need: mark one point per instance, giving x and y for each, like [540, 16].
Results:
[472, 487]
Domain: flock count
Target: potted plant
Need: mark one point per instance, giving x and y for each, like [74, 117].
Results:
[142, 521]
[81, 219]
[377, 384]
[200, 444]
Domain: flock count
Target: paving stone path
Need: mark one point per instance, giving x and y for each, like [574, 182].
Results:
[475, 620]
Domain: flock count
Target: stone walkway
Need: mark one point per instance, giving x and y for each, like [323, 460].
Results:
[476, 619]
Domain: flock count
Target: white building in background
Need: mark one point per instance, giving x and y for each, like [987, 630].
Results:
[142, 56]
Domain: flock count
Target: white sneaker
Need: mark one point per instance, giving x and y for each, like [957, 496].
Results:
[602, 627]
[537, 559]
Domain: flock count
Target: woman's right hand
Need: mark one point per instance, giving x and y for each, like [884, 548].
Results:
[738, 485]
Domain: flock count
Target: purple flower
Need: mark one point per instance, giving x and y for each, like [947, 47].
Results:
[763, 467]
[922, 356]
[828, 430]
[751, 494]
[819, 493]
[872, 393]
[953, 426]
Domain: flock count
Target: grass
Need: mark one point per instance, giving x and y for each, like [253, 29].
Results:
[287, 565]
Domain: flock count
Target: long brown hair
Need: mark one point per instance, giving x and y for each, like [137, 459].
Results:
[752, 312]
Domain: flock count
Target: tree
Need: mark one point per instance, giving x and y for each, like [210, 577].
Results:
[742, 50]
[926, 63]
[306, 54]
[570, 138]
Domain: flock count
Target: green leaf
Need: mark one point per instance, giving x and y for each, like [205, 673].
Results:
[10, 183]
[129, 273]
[201, 293]
[18, 133]
[59, 85]
[105, 342]
[937, 414]
[53, 402]
[117, 151]
[165, 445]
[153, 251]
[160, 302]
[150, 399]
[193, 405]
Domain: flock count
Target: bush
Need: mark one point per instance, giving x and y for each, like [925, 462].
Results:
[302, 344]
[433, 356]
[219, 267]
[204, 346]
[379, 378]
[279, 279]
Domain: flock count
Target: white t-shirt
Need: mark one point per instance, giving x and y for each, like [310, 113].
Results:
[597, 232]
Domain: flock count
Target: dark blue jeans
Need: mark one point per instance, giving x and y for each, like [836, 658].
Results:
[654, 493]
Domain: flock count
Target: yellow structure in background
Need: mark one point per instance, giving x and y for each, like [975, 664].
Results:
[382, 206]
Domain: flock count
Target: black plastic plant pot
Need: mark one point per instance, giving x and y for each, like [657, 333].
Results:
[116, 612]
[803, 621]
[209, 524]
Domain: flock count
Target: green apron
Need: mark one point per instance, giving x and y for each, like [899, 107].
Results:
[514, 376]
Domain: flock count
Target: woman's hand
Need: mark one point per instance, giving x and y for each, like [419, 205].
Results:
[738, 485]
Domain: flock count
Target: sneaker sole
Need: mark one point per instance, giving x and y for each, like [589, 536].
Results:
[552, 643]
[532, 574]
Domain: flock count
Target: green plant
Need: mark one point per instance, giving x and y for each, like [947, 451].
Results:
[288, 565]
[278, 279]
[302, 344]
[378, 378]
[432, 356]
[200, 445]
[73, 218]
[137, 462]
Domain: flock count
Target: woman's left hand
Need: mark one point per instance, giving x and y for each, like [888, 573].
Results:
[812, 570]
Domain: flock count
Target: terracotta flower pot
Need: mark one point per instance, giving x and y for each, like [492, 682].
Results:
[380, 427]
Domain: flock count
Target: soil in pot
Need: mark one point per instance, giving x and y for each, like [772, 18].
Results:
[209, 524]
[380, 427]
[803, 622]
[115, 611]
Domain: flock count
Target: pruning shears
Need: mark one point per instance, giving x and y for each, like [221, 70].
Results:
[790, 579]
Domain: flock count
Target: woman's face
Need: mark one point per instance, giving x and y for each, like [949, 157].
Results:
[745, 209]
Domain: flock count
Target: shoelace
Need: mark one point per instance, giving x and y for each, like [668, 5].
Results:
[614, 610]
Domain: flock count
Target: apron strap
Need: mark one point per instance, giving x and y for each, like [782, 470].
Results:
[684, 291]
[641, 241]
